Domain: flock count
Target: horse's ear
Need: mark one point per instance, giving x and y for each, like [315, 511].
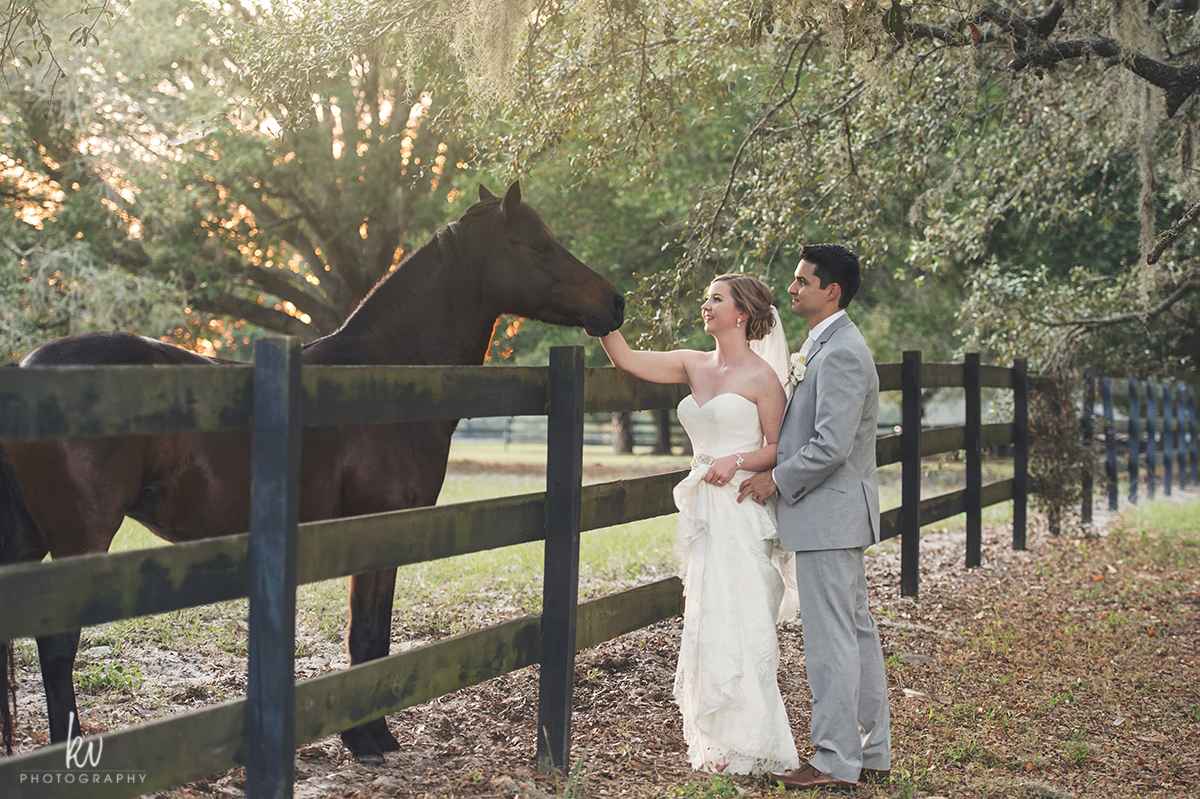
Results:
[484, 194]
[512, 202]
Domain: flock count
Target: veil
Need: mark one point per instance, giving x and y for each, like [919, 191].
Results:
[774, 350]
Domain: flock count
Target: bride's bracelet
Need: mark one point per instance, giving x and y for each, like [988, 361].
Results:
[703, 460]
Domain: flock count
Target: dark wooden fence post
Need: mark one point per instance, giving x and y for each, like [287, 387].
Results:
[1135, 439]
[1151, 439]
[1020, 450]
[1181, 432]
[1168, 440]
[974, 426]
[1110, 442]
[910, 471]
[560, 591]
[1192, 433]
[271, 687]
[1089, 443]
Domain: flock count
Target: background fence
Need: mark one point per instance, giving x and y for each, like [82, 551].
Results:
[276, 398]
[1147, 425]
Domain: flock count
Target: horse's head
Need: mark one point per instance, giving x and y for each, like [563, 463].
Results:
[528, 273]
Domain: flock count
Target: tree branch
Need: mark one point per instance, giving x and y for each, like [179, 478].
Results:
[1085, 325]
[291, 232]
[324, 318]
[1028, 36]
[711, 227]
[1168, 237]
[223, 304]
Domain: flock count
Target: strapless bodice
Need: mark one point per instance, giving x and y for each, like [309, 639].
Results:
[726, 424]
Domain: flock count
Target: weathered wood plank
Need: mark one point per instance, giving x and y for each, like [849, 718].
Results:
[38, 403]
[888, 449]
[996, 435]
[560, 586]
[608, 389]
[941, 375]
[41, 598]
[995, 377]
[623, 501]
[938, 440]
[910, 465]
[342, 699]
[890, 376]
[350, 395]
[358, 544]
[989, 376]
[934, 509]
[1020, 438]
[151, 756]
[1132, 427]
[944, 439]
[274, 510]
[1110, 442]
[616, 614]
[974, 455]
[1087, 423]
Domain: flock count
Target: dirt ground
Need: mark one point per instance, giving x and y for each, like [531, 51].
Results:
[1007, 680]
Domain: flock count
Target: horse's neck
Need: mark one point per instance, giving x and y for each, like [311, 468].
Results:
[425, 312]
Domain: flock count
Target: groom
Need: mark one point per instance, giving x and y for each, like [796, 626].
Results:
[828, 514]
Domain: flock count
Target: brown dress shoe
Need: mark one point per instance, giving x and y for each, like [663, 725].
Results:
[875, 775]
[806, 778]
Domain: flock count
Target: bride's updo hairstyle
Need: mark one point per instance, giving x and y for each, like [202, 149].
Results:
[754, 298]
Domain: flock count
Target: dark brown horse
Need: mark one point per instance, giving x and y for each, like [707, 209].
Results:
[440, 307]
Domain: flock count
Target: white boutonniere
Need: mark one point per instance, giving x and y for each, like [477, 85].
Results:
[796, 373]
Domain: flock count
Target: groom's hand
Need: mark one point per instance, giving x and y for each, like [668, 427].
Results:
[759, 488]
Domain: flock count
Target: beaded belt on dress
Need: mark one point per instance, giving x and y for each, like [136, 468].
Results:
[701, 460]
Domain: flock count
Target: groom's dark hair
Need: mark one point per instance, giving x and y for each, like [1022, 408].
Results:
[834, 264]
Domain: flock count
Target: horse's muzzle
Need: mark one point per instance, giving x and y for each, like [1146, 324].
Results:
[596, 325]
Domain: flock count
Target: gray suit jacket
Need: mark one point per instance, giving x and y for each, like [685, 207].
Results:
[828, 486]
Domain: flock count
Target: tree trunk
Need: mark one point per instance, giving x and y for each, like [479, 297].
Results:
[662, 432]
[622, 433]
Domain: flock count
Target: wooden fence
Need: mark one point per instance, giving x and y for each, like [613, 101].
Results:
[275, 398]
[1159, 419]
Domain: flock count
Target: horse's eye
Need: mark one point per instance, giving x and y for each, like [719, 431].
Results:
[543, 248]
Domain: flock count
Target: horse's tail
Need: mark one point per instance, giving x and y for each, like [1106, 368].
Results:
[20, 539]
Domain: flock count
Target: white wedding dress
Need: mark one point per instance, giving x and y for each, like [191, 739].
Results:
[733, 574]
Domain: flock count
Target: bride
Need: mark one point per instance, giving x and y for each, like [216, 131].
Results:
[725, 684]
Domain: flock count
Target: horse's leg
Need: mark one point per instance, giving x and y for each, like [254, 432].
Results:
[57, 655]
[77, 492]
[368, 639]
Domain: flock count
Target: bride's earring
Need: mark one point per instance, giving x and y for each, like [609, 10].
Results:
[739, 322]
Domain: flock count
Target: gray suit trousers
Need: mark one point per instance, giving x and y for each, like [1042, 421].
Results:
[844, 662]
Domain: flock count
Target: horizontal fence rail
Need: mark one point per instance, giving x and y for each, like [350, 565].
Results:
[68, 402]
